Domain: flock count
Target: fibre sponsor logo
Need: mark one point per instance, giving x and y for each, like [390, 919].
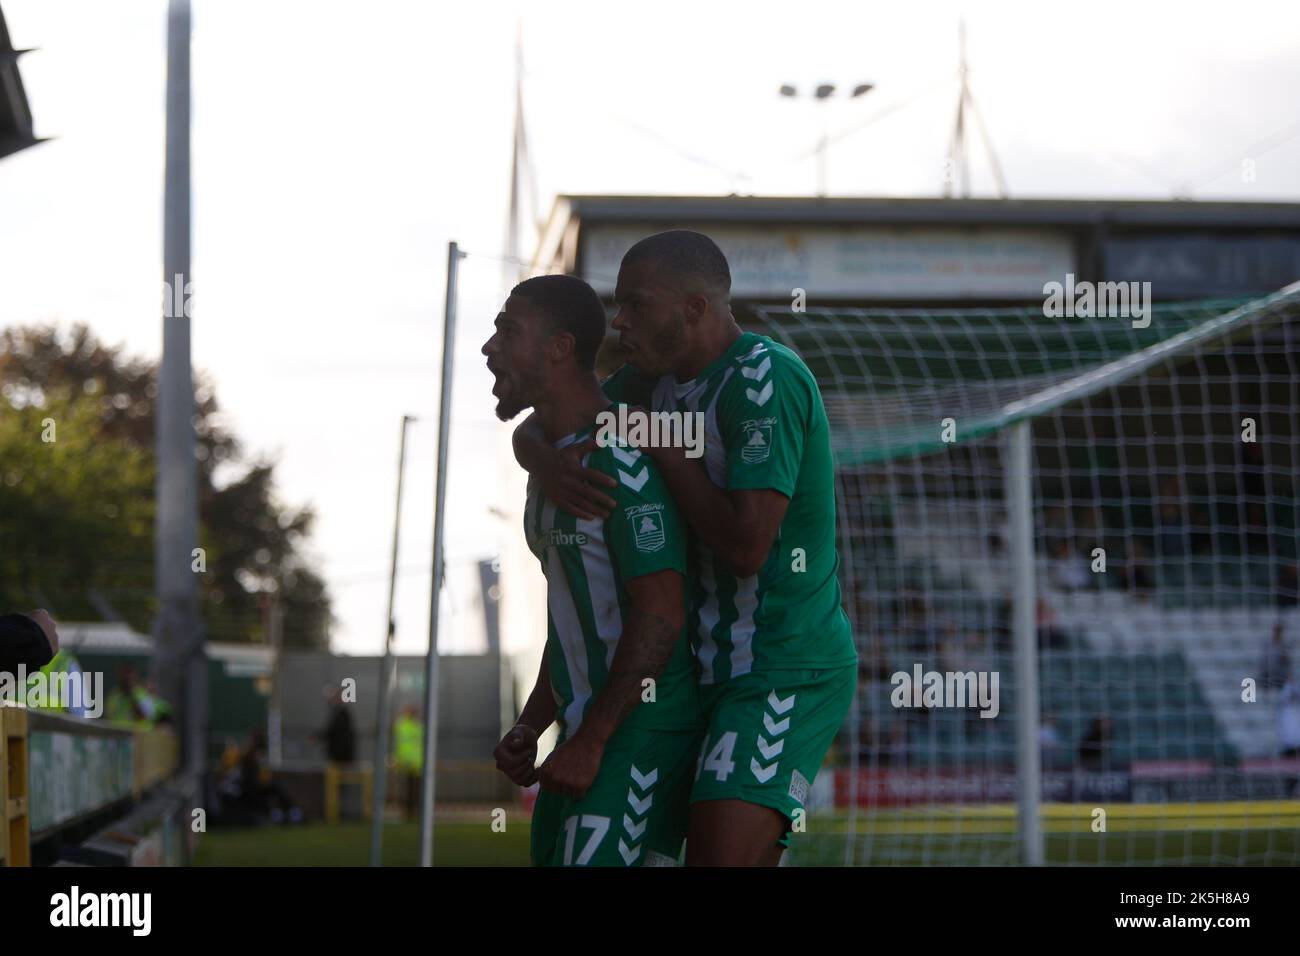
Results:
[76, 909]
[555, 536]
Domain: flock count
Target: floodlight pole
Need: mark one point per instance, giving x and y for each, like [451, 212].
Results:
[1017, 462]
[454, 256]
[180, 664]
[387, 672]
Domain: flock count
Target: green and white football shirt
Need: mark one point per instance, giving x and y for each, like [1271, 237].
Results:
[765, 427]
[587, 564]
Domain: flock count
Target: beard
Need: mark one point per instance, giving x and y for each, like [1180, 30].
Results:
[662, 351]
[516, 394]
[508, 408]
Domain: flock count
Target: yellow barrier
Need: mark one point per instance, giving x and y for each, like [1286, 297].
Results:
[337, 775]
[15, 834]
[156, 756]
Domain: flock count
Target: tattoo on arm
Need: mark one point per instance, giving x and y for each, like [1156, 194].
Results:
[644, 650]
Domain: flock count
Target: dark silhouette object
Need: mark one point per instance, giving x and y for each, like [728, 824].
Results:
[27, 640]
[339, 734]
[260, 796]
[1275, 668]
[1094, 748]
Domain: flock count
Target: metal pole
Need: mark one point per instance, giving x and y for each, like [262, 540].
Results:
[275, 715]
[435, 589]
[387, 672]
[823, 150]
[1018, 490]
[180, 664]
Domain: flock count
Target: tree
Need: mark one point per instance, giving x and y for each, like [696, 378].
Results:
[76, 514]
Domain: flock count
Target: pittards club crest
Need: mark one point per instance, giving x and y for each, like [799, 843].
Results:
[647, 530]
[757, 440]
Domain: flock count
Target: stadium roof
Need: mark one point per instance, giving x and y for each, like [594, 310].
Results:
[807, 209]
[1188, 249]
[15, 115]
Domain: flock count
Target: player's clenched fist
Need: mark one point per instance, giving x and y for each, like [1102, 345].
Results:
[571, 768]
[516, 755]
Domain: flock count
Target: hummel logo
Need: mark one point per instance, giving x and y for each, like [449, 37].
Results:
[635, 483]
[626, 456]
[645, 781]
[628, 853]
[761, 396]
[640, 806]
[770, 750]
[758, 371]
[763, 775]
[634, 830]
[776, 727]
[778, 705]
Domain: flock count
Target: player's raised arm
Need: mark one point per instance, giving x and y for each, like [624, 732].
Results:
[739, 527]
[563, 477]
[764, 416]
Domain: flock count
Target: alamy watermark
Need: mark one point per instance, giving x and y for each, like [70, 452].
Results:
[80, 693]
[642, 429]
[946, 689]
[133, 911]
[1101, 299]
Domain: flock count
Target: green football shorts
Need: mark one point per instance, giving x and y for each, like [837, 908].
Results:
[768, 734]
[635, 812]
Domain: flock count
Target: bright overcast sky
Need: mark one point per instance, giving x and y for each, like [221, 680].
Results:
[339, 146]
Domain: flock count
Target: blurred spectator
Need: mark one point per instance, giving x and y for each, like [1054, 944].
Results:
[129, 702]
[975, 655]
[1137, 575]
[1056, 525]
[1287, 592]
[1088, 523]
[30, 640]
[1049, 741]
[872, 661]
[1275, 668]
[1094, 748]
[915, 626]
[1049, 635]
[1173, 538]
[408, 749]
[339, 735]
[1288, 718]
[161, 710]
[259, 792]
[1068, 570]
[64, 663]
[950, 650]
[866, 741]
[894, 753]
[1002, 636]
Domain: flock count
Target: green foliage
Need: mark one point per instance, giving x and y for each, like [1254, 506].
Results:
[76, 514]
